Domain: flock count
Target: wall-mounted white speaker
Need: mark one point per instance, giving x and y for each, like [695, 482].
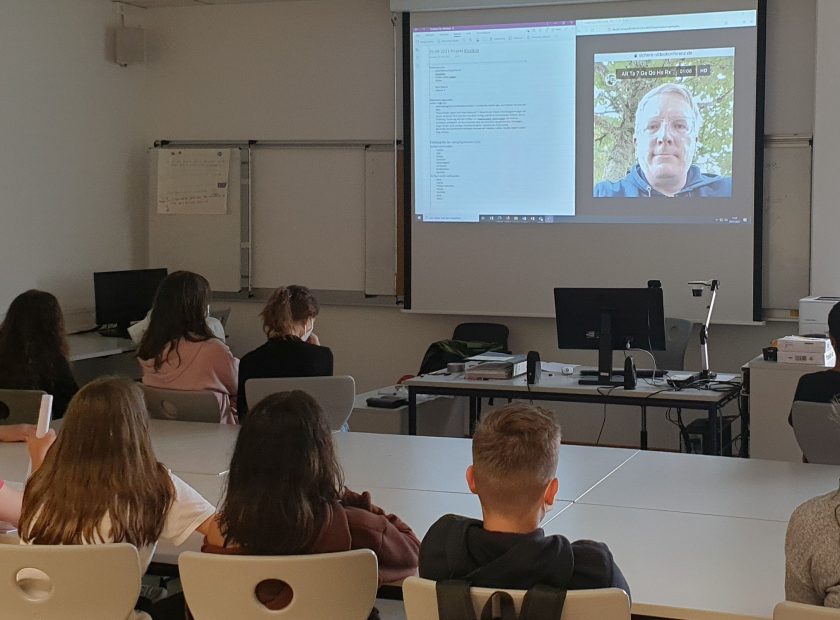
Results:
[129, 46]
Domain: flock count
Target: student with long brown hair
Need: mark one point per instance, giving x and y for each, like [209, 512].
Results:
[33, 354]
[100, 481]
[178, 350]
[292, 349]
[285, 495]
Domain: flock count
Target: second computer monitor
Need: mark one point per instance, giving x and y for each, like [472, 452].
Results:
[124, 296]
[636, 318]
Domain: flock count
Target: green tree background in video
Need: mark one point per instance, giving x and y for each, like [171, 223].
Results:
[615, 109]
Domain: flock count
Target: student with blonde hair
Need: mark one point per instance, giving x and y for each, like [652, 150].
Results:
[514, 474]
[178, 350]
[292, 348]
[100, 481]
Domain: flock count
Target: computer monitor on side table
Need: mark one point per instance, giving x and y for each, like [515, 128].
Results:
[609, 319]
[124, 296]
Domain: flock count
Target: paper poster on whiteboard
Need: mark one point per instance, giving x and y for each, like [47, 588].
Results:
[193, 181]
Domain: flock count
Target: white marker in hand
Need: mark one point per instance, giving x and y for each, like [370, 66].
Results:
[44, 415]
[44, 419]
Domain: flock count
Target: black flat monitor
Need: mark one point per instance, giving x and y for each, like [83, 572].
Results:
[124, 296]
[609, 319]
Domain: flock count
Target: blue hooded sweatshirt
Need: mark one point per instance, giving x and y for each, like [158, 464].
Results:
[635, 185]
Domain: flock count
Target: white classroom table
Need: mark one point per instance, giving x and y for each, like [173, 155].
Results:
[184, 447]
[92, 345]
[748, 488]
[381, 461]
[193, 447]
[440, 463]
[688, 566]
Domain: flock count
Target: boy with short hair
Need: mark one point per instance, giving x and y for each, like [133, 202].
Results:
[514, 475]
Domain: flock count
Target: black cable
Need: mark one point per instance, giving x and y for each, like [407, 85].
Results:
[606, 393]
[603, 423]
[86, 331]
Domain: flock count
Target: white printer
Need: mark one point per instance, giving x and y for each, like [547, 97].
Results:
[813, 314]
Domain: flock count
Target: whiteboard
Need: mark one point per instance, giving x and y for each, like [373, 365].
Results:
[309, 218]
[321, 214]
[208, 244]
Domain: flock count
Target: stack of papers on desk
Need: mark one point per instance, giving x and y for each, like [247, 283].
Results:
[801, 350]
[559, 368]
[512, 366]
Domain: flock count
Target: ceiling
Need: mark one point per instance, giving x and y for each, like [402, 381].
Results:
[153, 4]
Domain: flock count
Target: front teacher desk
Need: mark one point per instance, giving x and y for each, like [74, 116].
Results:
[565, 388]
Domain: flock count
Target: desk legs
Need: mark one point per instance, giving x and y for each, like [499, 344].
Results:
[715, 431]
[643, 434]
[412, 412]
[744, 452]
[475, 409]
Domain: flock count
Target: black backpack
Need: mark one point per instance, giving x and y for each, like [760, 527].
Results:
[442, 352]
[540, 603]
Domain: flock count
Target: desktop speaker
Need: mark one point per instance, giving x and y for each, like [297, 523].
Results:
[629, 374]
[129, 46]
[533, 368]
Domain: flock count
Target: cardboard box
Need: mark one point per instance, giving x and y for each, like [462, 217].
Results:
[803, 357]
[819, 346]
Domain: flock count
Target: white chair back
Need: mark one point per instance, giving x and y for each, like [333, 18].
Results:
[94, 582]
[335, 395]
[20, 406]
[817, 429]
[183, 405]
[326, 585]
[420, 598]
[799, 611]
[222, 314]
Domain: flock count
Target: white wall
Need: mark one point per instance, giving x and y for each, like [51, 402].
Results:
[322, 69]
[72, 163]
[825, 216]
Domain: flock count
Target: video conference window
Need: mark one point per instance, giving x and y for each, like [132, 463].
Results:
[678, 139]
[575, 121]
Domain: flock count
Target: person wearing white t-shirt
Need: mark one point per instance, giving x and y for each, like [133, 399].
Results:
[137, 330]
[99, 481]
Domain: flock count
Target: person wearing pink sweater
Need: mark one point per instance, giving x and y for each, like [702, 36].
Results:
[179, 352]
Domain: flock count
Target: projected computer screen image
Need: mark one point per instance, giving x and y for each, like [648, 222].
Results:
[529, 162]
[492, 105]
[663, 124]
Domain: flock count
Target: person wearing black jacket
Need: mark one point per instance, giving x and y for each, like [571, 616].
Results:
[292, 349]
[822, 386]
[34, 351]
[514, 474]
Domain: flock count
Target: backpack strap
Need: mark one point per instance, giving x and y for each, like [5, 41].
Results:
[453, 600]
[543, 603]
[507, 610]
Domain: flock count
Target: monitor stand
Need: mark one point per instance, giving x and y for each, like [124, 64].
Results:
[120, 331]
[605, 367]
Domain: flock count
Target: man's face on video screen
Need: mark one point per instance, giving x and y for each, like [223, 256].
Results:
[665, 140]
